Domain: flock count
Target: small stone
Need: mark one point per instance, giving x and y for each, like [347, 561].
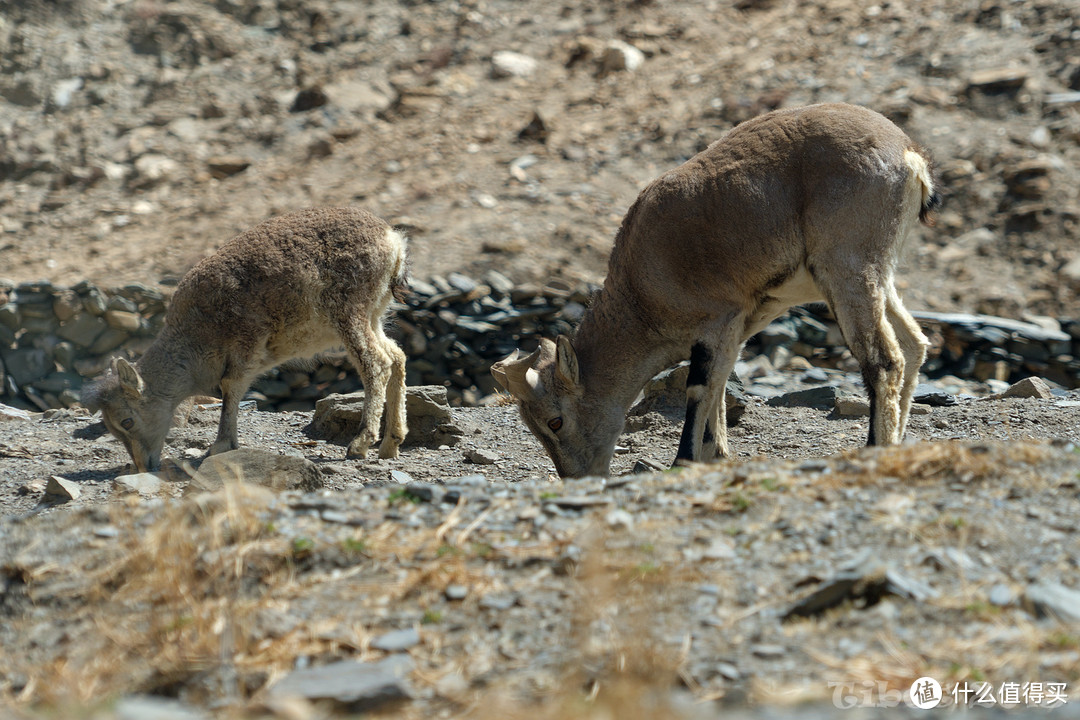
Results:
[498, 601]
[62, 489]
[506, 63]
[223, 166]
[647, 465]
[456, 592]
[338, 517]
[819, 397]
[106, 531]
[1053, 599]
[481, 457]
[146, 707]
[152, 168]
[929, 395]
[353, 686]
[12, 413]
[31, 488]
[720, 548]
[308, 99]
[849, 406]
[121, 320]
[359, 97]
[1031, 387]
[397, 640]
[421, 491]
[1001, 595]
[728, 671]
[767, 651]
[998, 79]
[64, 90]
[141, 483]
[619, 520]
[619, 55]
[580, 502]
[401, 477]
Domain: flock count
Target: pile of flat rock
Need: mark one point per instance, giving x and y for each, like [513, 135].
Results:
[453, 328]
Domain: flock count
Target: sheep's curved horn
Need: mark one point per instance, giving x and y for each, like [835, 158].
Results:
[513, 374]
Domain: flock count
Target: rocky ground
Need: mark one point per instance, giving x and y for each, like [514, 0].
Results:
[809, 573]
[805, 575]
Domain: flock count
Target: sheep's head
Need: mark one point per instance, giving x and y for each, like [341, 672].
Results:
[577, 428]
[134, 417]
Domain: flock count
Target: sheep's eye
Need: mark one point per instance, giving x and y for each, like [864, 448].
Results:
[555, 424]
[127, 423]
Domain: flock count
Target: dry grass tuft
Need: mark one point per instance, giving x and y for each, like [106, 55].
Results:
[952, 462]
[176, 606]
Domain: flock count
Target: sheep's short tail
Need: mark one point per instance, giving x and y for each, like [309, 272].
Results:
[399, 280]
[923, 172]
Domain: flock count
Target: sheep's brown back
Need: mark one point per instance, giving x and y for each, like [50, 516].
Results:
[270, 275]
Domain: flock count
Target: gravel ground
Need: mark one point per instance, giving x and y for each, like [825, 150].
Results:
[808, 570]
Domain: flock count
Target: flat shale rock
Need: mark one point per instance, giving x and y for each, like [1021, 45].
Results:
[351, 686]
[337, 417]
[259, 467]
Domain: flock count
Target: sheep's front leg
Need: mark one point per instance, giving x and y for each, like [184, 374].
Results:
[704, 433]
[232, 390]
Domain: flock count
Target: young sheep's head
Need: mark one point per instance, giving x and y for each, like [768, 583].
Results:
[577, 429]
[134, 417]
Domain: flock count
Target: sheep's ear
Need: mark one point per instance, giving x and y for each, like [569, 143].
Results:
[130, 381]
[516, 376]
[566, 364]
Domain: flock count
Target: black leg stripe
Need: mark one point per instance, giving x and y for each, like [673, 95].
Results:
[700, 358]
[686, 442]
[872, 394]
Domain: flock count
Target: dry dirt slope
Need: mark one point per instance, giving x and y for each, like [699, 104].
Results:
[140, 134]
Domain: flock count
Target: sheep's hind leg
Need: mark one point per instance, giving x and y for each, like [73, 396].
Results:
[861, 313]
[913, 345]
[396, 422]
[374, 366]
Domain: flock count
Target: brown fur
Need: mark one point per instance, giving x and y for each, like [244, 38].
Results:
[794, 206]
[290, 287]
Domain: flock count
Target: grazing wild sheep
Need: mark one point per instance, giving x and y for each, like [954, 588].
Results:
[795, 206]
[291, 287]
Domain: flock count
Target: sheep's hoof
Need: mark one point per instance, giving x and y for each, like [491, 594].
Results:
[221, 446]
[358, 449]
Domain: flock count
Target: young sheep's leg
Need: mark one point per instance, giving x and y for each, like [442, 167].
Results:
[913, 345]
[704, 433]
[374, 367]
[232, 390]
[860, 311]
[396, 423]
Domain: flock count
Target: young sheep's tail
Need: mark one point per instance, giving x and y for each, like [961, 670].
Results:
[922, 170]
[399, 279]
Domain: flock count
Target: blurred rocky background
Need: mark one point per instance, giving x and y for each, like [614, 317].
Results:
[507, 139]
